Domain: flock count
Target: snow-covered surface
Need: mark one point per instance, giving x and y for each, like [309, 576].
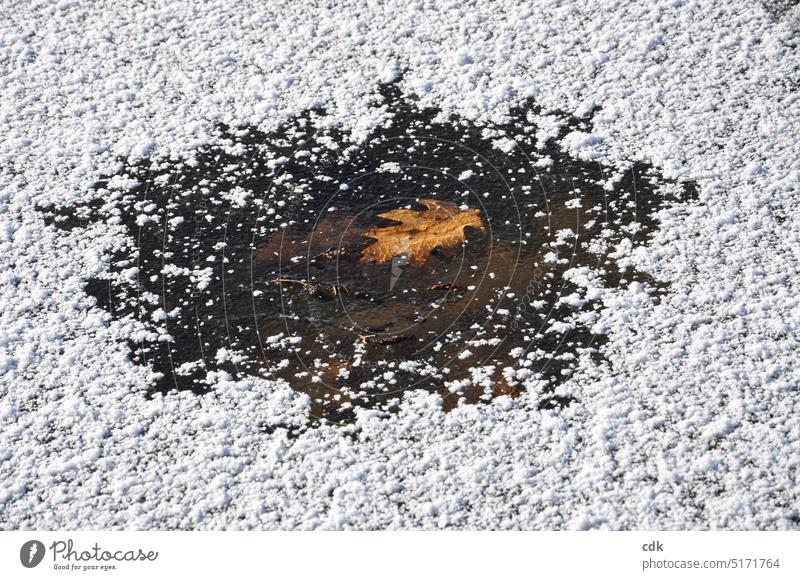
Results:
[692, 422]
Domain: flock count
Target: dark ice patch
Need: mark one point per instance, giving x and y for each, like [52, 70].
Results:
[245, 259]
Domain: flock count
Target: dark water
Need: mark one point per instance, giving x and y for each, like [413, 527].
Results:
[266, 261]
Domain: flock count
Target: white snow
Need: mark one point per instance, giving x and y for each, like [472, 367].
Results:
[691, 423]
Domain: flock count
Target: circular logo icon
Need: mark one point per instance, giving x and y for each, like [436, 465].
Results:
[31, 553]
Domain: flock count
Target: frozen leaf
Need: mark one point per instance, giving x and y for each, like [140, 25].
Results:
[420, 231]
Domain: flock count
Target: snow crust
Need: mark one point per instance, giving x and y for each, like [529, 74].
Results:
[693, 421]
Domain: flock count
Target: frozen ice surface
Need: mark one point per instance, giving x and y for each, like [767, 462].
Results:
[693, 421]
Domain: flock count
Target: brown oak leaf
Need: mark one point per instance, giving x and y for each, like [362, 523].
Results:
[420, 231]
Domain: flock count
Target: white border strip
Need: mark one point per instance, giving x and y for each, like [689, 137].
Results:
[402, 555]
